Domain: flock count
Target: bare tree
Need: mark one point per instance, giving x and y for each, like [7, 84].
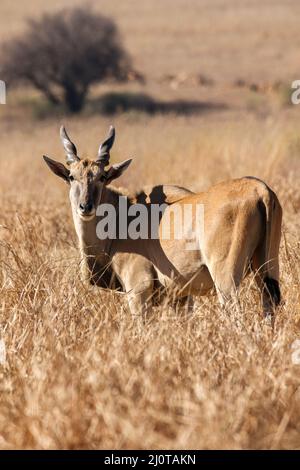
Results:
[62, 54]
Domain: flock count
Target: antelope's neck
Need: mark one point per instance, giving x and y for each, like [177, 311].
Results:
[89, 243]
[93, 246]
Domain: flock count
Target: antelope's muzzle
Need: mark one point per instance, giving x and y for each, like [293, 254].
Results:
[86, 211]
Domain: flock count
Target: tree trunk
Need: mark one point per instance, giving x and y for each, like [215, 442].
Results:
[74, 98]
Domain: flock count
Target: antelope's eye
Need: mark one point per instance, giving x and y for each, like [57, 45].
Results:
[71, 178]
[95, 169]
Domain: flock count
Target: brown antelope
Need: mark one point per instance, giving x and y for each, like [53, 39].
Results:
[241, 230]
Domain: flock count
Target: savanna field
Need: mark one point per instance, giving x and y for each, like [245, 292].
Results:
[80, 372]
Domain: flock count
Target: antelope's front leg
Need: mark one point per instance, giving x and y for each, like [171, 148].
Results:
[138, 282]
[140, 301]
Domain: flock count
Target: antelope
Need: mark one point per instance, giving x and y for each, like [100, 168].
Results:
[241, 233]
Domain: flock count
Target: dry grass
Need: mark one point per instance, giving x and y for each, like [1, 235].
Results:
[80, 373]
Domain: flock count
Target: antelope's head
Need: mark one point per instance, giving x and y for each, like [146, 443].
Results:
[86, 177]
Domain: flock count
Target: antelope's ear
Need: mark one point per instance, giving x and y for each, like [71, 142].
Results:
[58, 168]
[115, 171]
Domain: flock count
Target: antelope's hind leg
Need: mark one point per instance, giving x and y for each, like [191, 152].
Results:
[231, 260]
[267, 285]
[227, 280]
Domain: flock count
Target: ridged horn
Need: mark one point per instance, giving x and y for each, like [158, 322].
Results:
[104, 149]
[69, 147]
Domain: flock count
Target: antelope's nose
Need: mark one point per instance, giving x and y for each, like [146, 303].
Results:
[86, 208]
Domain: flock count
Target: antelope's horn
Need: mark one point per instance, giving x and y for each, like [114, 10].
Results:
[104, 149]
[69, 147]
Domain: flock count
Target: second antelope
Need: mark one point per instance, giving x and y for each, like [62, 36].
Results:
[241, 233]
